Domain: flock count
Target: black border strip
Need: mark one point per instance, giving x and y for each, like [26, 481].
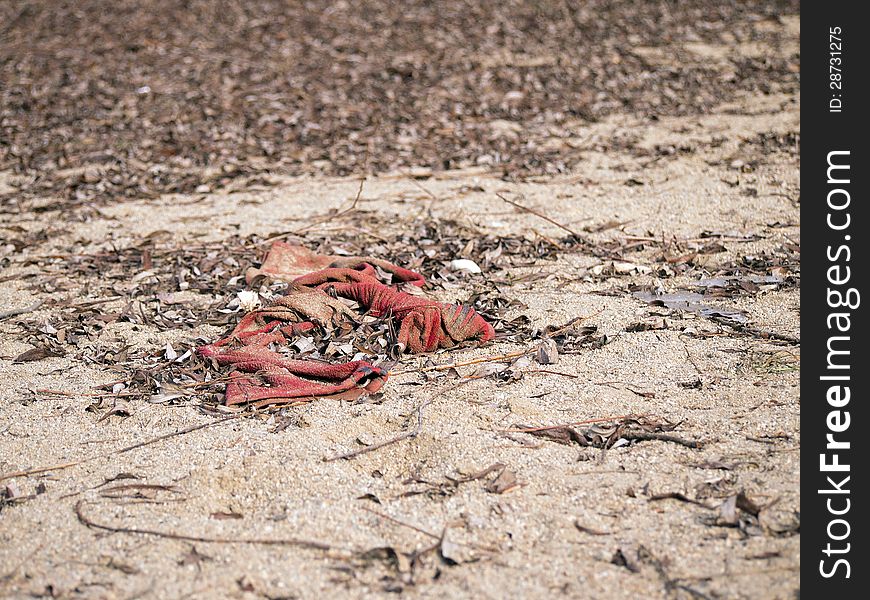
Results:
[836, 227]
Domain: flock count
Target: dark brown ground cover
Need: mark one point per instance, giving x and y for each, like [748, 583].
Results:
[102, 100]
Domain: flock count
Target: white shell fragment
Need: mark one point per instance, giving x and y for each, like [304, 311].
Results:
[463, 264]
[248, 300]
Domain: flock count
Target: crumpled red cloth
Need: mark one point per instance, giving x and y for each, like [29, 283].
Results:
[424, 325]
[263, 376]
[288, 262]
[287, 379]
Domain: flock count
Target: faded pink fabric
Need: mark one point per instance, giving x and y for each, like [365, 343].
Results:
[263, 376]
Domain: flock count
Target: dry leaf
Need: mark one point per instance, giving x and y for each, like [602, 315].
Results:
[547, 353]
[34, 354]
[505, 482]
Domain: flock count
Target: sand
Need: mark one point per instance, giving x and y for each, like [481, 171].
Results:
[577, 510]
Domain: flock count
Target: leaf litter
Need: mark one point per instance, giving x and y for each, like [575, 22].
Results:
[504, 100]
[612, 434]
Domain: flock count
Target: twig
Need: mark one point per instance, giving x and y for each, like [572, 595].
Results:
[608, 471]
[689, 356]
[547, 372]
[35, 257]
[425, 532]
[422, 187]
[20, 311]
[760, 440]
[348, 210]
[88, 303]
[347, 228]
[402, 523]
[547, 239]
[642, 436]
[769, 335]
[371, 448]
[589, 530]
[322, 218]
[216, 380]
[466, 363]
[541, 216]
[404, 436]
[87, 522]
[574, 424]
[74, 463]
[89, 395]
[571, 324]
[724, 238]
[681, 497]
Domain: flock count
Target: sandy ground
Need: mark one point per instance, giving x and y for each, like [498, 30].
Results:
[582, 523]
[578, 511]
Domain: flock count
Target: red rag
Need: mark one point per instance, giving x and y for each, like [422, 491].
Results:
[424, 326]
[289, 261]
[288, 378]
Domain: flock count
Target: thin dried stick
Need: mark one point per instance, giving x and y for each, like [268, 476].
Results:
[216, 380]
[425, 532]
[348, 210]
[74, 463]
[541, 216]
[574, 424]
[466, 363]
[641, 238]
[89, 303]
[362, 230]
[88, 395]
[404, 436]
[689, 356]
[88, 522]
[20, 311]
[572, 323]
[402, 523]
[371, 448]
[548, 372]
[321, 219]
[422, 187]
[642, 436]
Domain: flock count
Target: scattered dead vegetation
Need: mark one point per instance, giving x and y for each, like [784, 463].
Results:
[195, 96]
[157, 284]
[607, 435]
